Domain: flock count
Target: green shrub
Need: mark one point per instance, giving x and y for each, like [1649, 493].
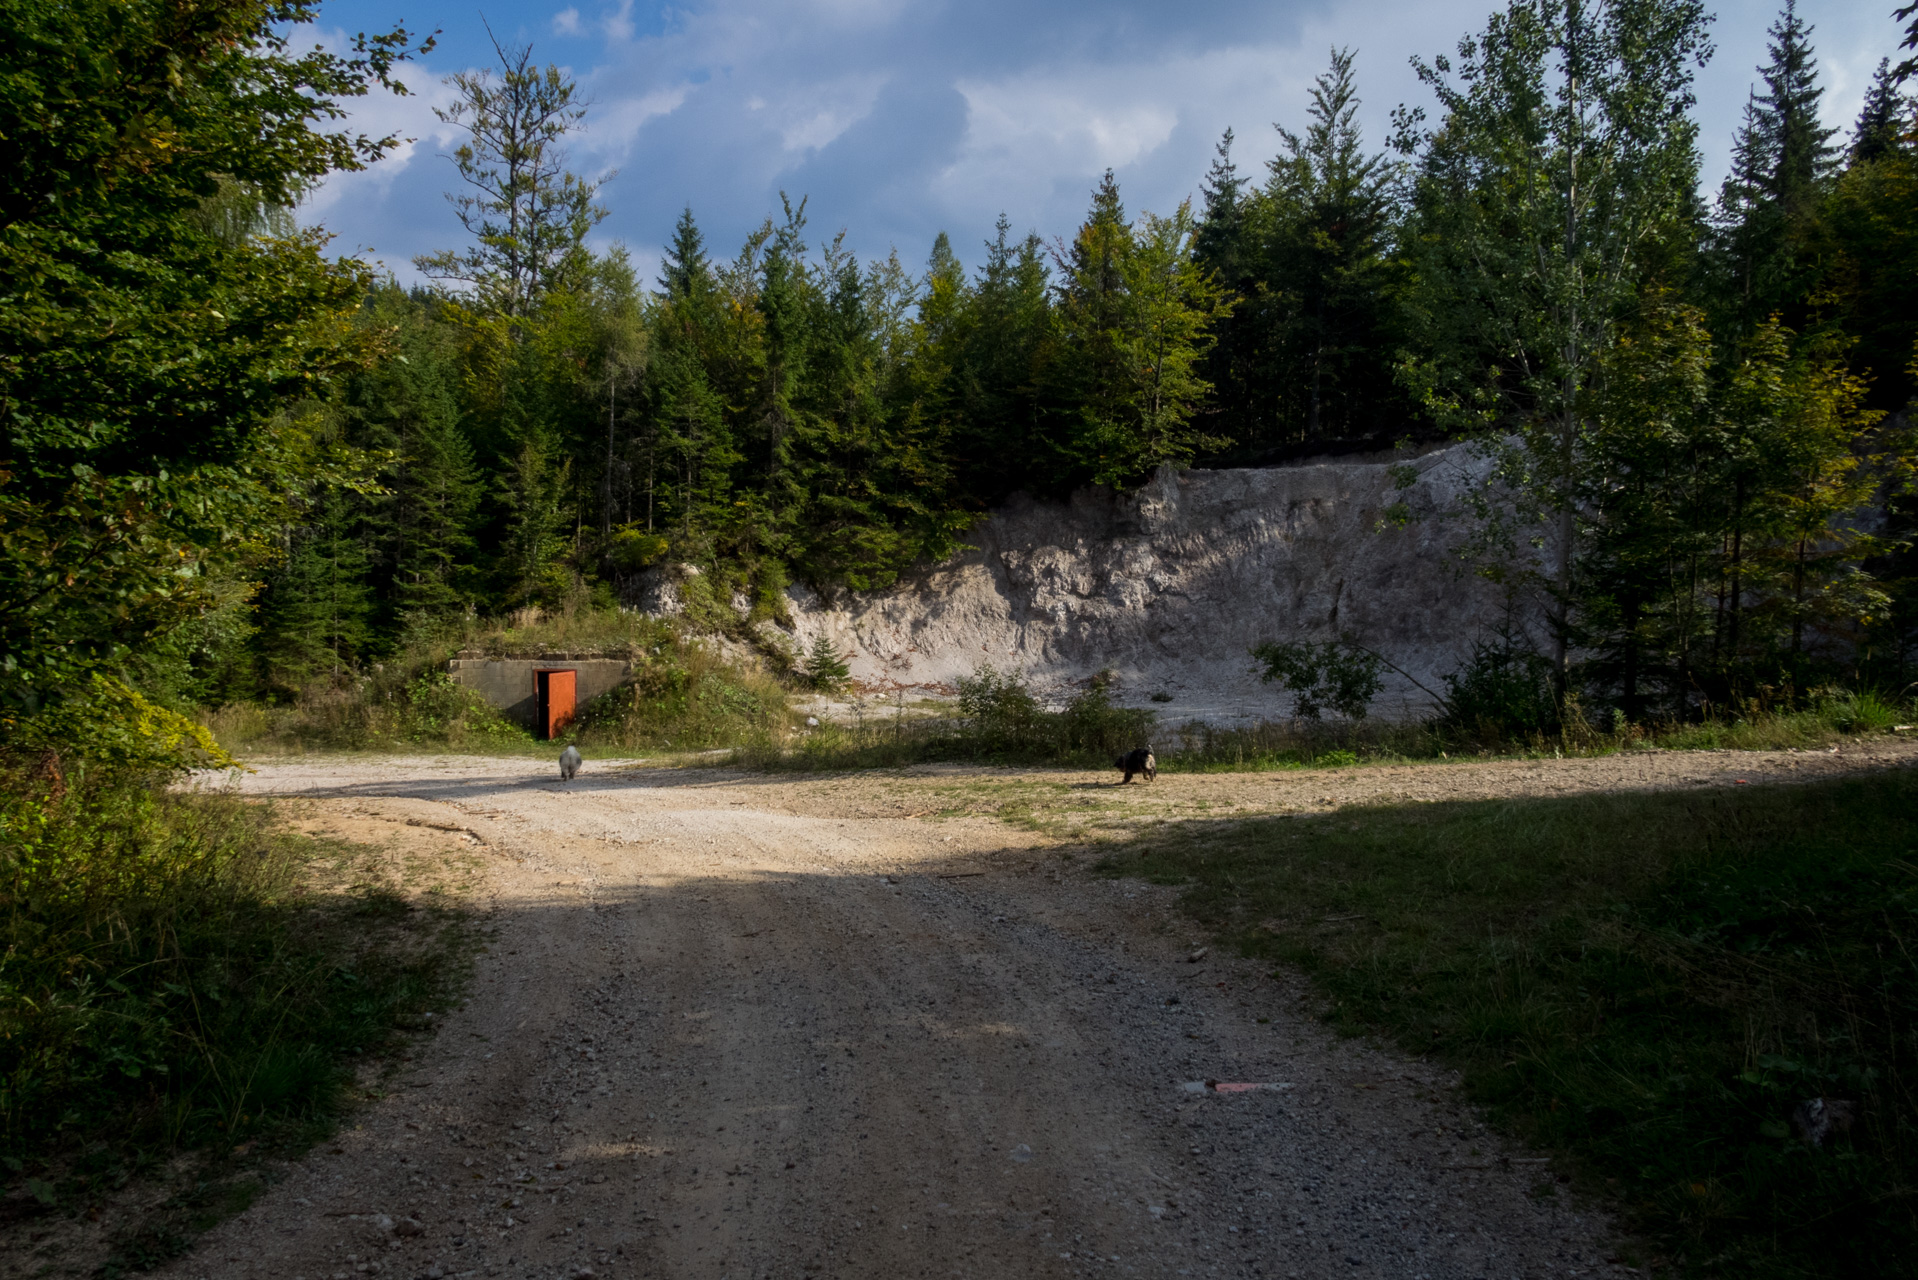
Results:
[825, 668]
[168, 985]
[436, 709]
[1091, 725]
[1001, 711]
[685, 697]
[1333, 674]
[1861, 712]
[1503, 694]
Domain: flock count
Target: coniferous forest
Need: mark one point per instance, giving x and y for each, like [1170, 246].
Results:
[247, 483]
[235, 466]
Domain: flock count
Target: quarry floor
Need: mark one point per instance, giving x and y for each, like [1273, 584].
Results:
[751, 1025]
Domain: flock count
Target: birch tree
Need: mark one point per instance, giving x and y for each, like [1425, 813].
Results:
[1562, 170]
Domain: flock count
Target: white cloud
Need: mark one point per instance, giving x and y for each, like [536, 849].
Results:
[1102, 122]
[901, 117]
[618, 25]
[612, 130]
[816, 114]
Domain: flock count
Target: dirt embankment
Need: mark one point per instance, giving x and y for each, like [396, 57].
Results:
[738, 1025]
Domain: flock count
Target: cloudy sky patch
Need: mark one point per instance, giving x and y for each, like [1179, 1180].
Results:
[902, 118]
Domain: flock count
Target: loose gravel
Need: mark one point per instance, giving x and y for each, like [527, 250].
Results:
[730, 1025]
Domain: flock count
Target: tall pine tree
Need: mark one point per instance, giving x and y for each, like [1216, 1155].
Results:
[1783, 160]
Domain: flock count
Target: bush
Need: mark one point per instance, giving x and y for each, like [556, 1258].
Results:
[1504, 693]
[167, 982]
[685, 697]
[1001, 711]
[1091, 724]
[1335, 674]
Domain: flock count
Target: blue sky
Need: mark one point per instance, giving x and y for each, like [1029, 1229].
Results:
[902, 118]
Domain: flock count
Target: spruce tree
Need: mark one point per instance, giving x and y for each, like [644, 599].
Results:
[1219, 244]
[1329, 241]
[683, 269]
[997, 384]
[435, 493]
[533, 494]
[1783, 160]
[314, 614]
[1882, 118]
[1136, 318]
[1239, 408]
[942, 263]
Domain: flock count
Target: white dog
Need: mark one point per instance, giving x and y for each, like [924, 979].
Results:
[569, 763]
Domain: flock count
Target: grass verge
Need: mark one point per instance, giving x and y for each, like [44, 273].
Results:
[170, 986]
[1651, 983]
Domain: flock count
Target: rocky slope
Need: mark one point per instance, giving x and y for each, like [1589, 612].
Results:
[1170, 586]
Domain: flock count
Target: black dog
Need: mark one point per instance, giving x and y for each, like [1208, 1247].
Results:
[1139, 761]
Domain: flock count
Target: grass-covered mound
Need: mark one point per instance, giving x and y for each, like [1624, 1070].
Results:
[1649, 982]
[685, 693]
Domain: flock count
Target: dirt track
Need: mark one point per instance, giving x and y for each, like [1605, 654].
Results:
[730, 1025]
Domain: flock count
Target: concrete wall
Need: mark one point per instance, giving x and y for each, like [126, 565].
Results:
[509, 685]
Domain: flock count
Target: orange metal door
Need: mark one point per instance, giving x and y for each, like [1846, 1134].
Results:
[555, 687]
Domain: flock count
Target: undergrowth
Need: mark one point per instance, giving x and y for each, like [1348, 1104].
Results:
[685, 697]
[683, 693]
[1651, 983]
[167, 986]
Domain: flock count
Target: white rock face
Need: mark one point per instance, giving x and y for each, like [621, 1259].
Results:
[1170, 587]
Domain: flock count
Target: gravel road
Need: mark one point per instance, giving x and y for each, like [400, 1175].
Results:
[729, 1025]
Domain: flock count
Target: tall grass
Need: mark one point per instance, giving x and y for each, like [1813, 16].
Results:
[686, 696]
[1651, 983]
[166, 984]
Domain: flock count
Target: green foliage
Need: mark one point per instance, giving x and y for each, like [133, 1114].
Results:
[825, 670]
[169, 985]
[684, 697]
[1504, 693]
[1311, 257]
[147, 350]
[1562, 175]
[1135, 316]
[316, 608]
[106, 725]
[1650, 983]
[1334, 673]
[1783, 160]
[530, 217]
[631, 549]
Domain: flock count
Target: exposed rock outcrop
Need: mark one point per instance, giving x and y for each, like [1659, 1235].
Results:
[1169, 587]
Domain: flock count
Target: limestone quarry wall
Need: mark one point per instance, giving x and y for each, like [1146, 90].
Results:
[1170, 586]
